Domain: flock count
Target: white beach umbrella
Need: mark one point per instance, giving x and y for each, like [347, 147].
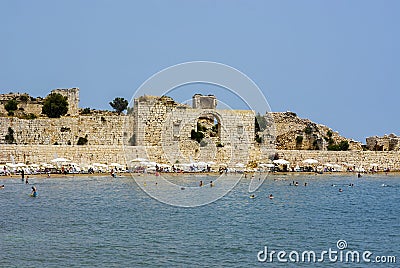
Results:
[113, 164]
[328, 165]
[338, 167]
[374, 165]
[99, 165]
[269, 165]
[45, 165]
[11, 165]
[281, 162]
[240, 165]
[164, 166]
[60, 160]
[310, 161]
[140, 160]
[211, 163]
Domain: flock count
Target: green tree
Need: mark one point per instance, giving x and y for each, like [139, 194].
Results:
[55, 105]
[119, 104]
[11, 106]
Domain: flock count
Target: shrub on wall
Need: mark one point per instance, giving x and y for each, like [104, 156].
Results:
[196, 135]
[308, 130]
[342, 146]
[9, 138]
[11, 106]
[82, 140]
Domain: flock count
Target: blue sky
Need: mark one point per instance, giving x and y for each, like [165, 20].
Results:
[335, 62]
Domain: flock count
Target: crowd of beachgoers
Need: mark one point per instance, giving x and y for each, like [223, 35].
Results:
[141, 165]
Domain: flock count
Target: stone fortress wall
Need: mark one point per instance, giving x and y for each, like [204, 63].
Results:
[98, 130]
[31, 105]
[160, 121]
[160, 129]
[389, 142]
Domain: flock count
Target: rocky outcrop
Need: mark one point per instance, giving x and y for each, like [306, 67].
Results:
[294, 133]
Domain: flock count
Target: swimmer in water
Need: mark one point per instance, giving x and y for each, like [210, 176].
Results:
[2, 186]
[340, 190]
[211, 184]
[252, 196]
[34, 192]
[271, 196]
[201, 183]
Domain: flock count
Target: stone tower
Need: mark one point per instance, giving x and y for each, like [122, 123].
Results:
[204, 102]
[72, 95]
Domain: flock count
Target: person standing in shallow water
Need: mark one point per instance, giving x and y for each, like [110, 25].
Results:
[34, 191]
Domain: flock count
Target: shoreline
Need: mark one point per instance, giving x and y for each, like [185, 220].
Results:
[202, 174]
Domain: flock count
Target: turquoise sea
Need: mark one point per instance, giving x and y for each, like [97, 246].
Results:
[111, 222]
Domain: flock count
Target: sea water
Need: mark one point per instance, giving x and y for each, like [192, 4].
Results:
[111, 222]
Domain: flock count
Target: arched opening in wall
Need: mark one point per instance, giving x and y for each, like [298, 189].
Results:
[207, 127]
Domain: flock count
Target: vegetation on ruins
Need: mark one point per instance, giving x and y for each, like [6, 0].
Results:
[29, 116]
[308, 130]
[299, 139]
[24, 98]
[119, 104]
[196, 135]
[55, 105]
[82, 140]
[11, 106]
[9, 138]
[86, 111]
[342, 146]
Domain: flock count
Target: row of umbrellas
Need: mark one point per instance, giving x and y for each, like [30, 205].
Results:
[150, 164]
